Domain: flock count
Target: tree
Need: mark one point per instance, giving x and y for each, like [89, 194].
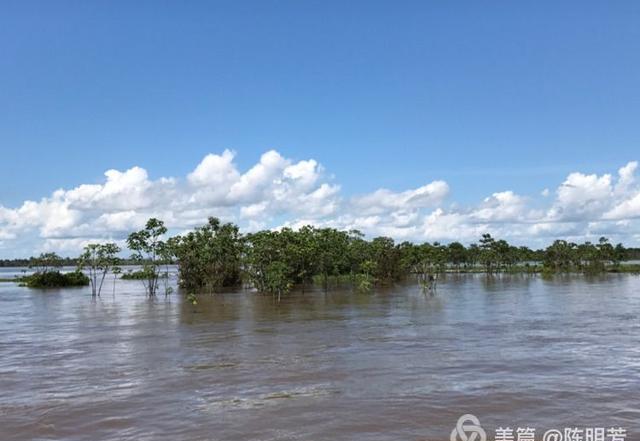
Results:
[46, 262]
[473, 254]
[619, 254]
[606, 251]
[277, 280]
[358, 255]
[457, 254]
[116, 270]
[209, 257]
[150, 252]
[330, 248]
[300, 253]
[262, 250]
[386, 258]
[98, 260]
[488, 254]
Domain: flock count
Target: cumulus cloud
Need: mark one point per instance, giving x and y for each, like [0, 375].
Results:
[505, 206]
[275, 186]
[581, 196]
[383, 200]
[626, 209]
[279, 191]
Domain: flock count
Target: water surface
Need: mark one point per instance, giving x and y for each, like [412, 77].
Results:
[391, 365]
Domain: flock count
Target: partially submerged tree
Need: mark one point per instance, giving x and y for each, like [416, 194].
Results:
[263, 249]
[116, 270]
[210, 257]
[46, 262]
[488, 254]
[150, 252]
[98, 260]
[277, 279]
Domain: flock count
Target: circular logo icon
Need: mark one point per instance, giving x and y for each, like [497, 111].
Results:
[552, 435]
[468, 429]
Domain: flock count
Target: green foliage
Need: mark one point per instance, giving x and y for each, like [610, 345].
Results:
[98, 260]
[217, 255]
[47, 274]
[55, 279]
[461, 261]
[364, 283]
[277, 279]
[151, 252]
[563, 256]
[210, 256]
[46, 262]
[263, 249]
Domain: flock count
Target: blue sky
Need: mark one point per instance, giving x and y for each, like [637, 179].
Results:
[488, 97]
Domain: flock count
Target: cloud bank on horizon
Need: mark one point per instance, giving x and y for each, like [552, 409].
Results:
[278, 191]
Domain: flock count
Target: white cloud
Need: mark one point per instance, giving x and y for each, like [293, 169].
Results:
[215, 170]
[581, 196]
[260, 179]
[274, 186]
[278, 191]
[501, 207]
[383, 200]
[627, 177]
[453, 226]
[627, 209]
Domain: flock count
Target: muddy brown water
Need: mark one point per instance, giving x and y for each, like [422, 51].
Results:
[391, 365]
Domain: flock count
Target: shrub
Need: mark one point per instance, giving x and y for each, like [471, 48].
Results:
[55, 279]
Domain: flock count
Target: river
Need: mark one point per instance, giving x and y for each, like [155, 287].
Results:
[395, 364]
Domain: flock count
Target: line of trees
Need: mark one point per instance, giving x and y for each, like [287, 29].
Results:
[64, 261]
[217, 255]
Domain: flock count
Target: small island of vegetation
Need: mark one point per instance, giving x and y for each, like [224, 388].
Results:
[47, 274]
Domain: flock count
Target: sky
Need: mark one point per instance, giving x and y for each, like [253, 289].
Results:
[419, 120]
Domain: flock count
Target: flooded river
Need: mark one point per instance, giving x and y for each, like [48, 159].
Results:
[395, 364]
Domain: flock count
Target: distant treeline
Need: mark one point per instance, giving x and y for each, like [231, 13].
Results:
[63, 261]
[217, 255]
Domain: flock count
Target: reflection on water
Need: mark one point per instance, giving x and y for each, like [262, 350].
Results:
[395, 364]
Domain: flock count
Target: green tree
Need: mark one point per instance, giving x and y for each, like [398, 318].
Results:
[560, 256]
[606, 251]
[150, 252]
[457, 254]
[386, 258]
[210, 257]
[46, 262]
[98, 260]
[619, 254]
[277, 279]
[488, 254]
[330, 248]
